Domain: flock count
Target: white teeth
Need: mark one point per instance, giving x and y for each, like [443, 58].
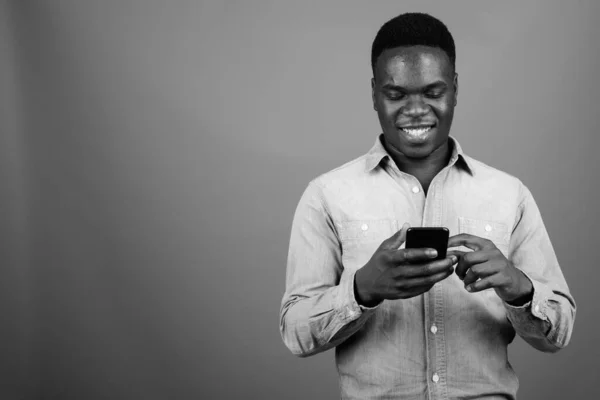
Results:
[416, 131]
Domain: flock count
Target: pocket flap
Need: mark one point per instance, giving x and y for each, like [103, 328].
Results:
[495, 231]
[366, 229]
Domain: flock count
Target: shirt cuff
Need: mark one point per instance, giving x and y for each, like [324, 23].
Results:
[346, 301]
[538, 306]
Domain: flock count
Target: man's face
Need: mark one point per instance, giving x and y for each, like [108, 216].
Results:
[414, 94]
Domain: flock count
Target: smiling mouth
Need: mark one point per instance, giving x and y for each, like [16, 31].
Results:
[417, 131]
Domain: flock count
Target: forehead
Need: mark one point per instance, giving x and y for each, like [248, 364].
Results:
[413, 63]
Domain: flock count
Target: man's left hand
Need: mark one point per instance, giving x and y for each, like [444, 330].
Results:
[486, 267]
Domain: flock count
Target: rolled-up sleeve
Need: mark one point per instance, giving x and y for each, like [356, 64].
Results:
[319, 309]
[546, 322]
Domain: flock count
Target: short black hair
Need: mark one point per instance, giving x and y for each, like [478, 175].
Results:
[413, 29]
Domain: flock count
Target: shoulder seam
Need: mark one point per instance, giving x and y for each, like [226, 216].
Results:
[317, 180]
[324, 204]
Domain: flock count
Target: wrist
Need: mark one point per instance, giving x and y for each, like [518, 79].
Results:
[525, 293]
[361, 294]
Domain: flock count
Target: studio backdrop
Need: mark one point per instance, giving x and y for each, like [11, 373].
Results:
[152, 154]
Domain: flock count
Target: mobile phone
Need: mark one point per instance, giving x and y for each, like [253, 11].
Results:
[430, 237]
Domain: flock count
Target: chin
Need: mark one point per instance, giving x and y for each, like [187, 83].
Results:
[415, 150]
[411, 149]
[417, 154]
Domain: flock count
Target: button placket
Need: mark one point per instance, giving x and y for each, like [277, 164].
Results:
[435, 297]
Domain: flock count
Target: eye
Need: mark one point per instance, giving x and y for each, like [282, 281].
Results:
[394, 96]
[435, 94]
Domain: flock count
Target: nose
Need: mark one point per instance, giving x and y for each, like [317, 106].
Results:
[415, 107]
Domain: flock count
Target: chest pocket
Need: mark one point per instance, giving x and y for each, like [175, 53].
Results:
[497, 232]
[360, 238]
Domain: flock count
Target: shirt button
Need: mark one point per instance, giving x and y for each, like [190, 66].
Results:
[488, 228]
[433, 329]
[364, 227]
[435, 378]
[415, 189]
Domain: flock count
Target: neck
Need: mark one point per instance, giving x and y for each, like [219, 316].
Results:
[424, 169]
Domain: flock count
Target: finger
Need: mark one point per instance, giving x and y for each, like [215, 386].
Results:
[479, 271]
[491, 281]
[470, 277]
[412, 255]
[396, 240]
[468, 260]
[431, 268]
[458, 253]
[470, 241]
[412, 283]
[416, 291]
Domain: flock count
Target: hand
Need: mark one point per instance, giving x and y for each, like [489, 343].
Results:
[394, 273]
[486, 267]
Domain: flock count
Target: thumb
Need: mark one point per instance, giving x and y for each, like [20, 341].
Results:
[396, 240]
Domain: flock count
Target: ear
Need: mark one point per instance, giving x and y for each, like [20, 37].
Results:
[373, 94]
[455, 89]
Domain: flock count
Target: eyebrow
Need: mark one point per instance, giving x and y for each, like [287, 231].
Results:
[434, 85]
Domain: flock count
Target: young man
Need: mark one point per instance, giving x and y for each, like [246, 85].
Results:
[404, 326]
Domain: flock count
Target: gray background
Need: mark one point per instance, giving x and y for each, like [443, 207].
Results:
[152, 154]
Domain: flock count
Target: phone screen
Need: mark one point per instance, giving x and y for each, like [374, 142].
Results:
[430, 237]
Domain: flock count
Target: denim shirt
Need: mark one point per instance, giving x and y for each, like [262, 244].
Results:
[446, 343]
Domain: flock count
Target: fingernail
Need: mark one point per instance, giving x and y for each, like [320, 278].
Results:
[469, 288]
[454, 259]
[431, 253]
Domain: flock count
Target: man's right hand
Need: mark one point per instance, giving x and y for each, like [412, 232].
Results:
[394, 273]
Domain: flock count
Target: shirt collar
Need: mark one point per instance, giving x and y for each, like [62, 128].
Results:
[378, 153]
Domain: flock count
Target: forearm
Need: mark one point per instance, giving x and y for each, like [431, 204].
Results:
[546, 323]
[310, 325]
